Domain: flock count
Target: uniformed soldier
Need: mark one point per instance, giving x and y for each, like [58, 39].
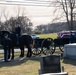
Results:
[72, 39]
[18, 32]
[6, 46]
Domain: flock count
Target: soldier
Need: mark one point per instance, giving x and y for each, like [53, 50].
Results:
[18, 32]
[6, 46]
[72, 39]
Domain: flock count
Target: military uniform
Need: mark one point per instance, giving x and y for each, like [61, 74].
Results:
[18, 33]
[72, 38]
[18, 30]
[6, 46]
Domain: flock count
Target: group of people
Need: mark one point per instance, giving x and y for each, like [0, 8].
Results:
[6, 42]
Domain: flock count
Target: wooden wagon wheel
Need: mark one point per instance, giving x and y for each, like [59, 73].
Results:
[59, 43]
[48, 46]
[36, 51]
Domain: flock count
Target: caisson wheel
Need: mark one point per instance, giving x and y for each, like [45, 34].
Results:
[36, 51]
[48, 46]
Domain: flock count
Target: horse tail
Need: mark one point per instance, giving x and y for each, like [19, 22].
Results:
[32, 44]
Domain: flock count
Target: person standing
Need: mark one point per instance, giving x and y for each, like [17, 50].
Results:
[6, 46]
[72, 38]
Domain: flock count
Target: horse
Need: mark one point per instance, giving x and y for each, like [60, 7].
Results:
[24, 40]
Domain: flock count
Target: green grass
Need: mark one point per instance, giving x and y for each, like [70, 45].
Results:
[20, 66]
[16, 54]
[51, 35]
[17, 67]
[30, 66]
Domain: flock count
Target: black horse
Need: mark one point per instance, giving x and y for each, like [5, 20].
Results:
[24, 40]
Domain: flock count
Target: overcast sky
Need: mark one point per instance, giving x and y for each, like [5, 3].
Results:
[39, 11]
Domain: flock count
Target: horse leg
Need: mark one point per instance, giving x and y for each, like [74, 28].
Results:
[29, 53]
[22, 51]
[9, 51]
[12, 53]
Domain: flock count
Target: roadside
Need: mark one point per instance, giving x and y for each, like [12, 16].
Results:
[16, 50]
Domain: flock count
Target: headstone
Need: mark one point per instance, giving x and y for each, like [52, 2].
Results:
[50, 64]
[61, 73]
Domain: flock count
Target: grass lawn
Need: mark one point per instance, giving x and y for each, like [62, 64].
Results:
[30, 66]
[51, 35]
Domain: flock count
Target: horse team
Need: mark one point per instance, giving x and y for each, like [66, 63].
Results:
[10, 40]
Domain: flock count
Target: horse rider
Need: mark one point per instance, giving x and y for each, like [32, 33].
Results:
[6, 41]
[18, 31]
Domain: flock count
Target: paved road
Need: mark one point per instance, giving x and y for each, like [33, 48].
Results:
[16, 50]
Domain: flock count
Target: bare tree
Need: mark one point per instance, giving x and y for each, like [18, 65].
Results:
[6, 16]
[0, 21]
[20, 11]
[0, 16]
[5, 13]
[23, 20]
[68, 7]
